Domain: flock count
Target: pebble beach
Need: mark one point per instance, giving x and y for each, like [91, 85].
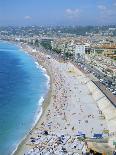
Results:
[69, 110]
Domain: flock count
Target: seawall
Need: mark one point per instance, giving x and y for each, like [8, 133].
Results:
[108, 110]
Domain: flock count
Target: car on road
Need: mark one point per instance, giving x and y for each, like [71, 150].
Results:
[101, 80]
[114, 92]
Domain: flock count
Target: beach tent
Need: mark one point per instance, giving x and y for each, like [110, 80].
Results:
[81, 134]
[97, 136]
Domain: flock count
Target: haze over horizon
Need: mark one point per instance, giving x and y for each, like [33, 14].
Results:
[61, 12]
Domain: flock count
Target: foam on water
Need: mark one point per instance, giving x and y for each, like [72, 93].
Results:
[45, 73]
[26, 83]
[36, 118]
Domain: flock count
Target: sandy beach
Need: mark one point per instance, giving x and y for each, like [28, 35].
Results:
[69, 110]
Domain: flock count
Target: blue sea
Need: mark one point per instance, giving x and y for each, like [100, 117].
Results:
[22, 87]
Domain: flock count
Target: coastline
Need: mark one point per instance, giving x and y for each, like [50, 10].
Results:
[73, 72]
[40, 107]
[45, 102]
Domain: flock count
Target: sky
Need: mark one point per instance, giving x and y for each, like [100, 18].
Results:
[57, 12]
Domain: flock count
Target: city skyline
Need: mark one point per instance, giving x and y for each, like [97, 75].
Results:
[62, 12]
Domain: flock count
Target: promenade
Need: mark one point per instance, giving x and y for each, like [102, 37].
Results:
[69, 113]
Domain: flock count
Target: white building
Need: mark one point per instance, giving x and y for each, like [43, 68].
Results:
[79, 50]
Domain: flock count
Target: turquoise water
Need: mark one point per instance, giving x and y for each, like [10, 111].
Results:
[22, 85]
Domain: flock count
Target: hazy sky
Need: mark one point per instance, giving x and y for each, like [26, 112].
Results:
[62, 12]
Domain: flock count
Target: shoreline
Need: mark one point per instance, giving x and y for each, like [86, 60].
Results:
[40, 106]
[45, 102]
[49, 96]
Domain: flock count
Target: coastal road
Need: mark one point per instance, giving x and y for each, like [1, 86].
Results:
[102, 87]
[95, 80]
